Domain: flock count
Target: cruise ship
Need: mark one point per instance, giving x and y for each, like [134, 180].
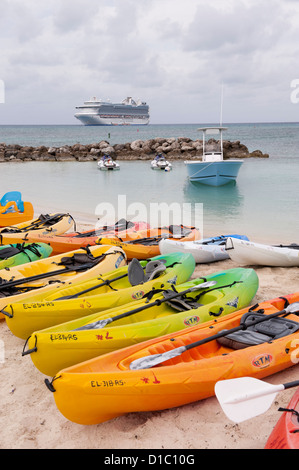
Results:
[105, 113]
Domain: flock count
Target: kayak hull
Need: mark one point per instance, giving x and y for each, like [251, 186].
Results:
[74, 241]
[28, 252]
[12, 218]
[206, 250]
[144, 250]
[285, 435]
[25, 231]
[247, 253]
[105, 387]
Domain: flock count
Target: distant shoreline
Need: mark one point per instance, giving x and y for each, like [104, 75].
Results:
[181, 148]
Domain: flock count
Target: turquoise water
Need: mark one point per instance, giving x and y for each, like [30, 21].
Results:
[275, 139]
[262, 205]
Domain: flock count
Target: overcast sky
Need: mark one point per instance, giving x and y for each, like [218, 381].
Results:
[173, 54]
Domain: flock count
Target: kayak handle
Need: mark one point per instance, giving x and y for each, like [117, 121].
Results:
[9, 315]
[50, 384]
[29, 351]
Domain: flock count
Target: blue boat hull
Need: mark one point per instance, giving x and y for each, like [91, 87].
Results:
[214, 173]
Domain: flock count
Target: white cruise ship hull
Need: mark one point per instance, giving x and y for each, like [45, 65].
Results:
[97, 120]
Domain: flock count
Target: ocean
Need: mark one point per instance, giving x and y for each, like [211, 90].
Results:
[263, 204]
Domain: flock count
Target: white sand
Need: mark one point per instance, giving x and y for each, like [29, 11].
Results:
[29, 418]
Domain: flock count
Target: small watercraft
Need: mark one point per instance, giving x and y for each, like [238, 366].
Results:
[181, 367]
[107, 163]
[74, 241]
[21, 253]
[160, 163]
[285, 435]
[145, 244]
[206, 250]
[249, 253]
[38, 278]
[106, 291]
[45, 224]
[213, 170]
[173, 309]
[13, 210]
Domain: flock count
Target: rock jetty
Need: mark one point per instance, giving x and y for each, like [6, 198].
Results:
[181, 148]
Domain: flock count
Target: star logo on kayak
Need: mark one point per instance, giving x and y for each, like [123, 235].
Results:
[173, 280]
[234, 302]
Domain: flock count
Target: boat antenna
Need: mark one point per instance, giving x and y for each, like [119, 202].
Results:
[221, 105]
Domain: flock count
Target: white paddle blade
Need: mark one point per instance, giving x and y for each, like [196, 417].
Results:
[292, 308]
[147, 362]
[245, 397]
[203, 286]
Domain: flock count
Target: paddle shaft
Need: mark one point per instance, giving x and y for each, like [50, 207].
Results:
[104, 283]
[37, 277]
[156, 302]
[249, 395]
[233, 330]
[152, 360]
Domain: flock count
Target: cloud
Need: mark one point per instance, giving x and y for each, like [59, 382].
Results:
[174, 56]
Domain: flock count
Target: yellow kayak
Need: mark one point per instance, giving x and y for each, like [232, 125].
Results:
[38, 278]
[55, 224]
[118, 287]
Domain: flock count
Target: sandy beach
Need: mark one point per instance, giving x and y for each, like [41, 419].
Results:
[30, 420]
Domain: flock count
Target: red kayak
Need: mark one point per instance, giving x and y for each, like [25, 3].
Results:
[285, 435]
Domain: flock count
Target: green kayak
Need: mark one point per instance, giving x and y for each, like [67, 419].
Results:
[21, 253]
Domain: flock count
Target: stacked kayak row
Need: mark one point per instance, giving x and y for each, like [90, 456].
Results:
[120, 322]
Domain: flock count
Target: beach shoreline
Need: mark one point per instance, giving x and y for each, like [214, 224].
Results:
[31, 420]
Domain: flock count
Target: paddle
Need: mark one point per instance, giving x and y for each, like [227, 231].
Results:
[104, 283]
[155, 359]
[246, 397]
[144, 241]
[102, 323]
[5, 284]
[135, 274]
[119, 226]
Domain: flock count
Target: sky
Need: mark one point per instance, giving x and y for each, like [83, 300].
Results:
[176, 55]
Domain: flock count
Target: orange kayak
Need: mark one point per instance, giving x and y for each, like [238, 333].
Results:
[17, 217]
[75, 240]
[285, 435]
[141, 378]
[145, 244]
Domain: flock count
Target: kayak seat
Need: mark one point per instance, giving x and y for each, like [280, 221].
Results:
[11, 202]
[11, 250]
[8, 252]
[137, 274]
[264, 332]
[182, 303]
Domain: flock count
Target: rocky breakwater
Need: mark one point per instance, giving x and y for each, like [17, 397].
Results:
[181, 148]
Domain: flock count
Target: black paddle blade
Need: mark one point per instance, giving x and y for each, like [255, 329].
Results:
[135, 272]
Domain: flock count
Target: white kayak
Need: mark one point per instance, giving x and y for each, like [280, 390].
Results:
[249, 253]
[201, 253]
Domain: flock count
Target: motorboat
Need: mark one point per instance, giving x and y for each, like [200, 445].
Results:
[107, 163]
[213, 170]
[160, 163]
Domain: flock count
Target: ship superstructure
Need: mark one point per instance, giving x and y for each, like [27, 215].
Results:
[105, 113]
